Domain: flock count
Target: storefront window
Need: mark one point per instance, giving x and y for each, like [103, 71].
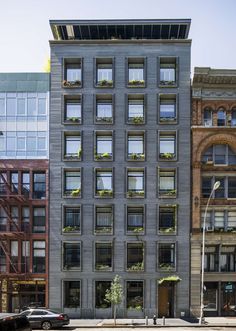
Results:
[210, 296]
[228, 299]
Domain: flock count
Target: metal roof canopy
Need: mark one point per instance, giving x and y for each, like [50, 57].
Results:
[120, 29]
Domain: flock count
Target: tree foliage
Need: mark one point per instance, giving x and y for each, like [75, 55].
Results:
[114, 295]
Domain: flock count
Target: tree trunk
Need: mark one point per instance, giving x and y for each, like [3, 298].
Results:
[114, 314]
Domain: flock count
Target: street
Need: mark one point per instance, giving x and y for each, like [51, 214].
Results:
[174, 328]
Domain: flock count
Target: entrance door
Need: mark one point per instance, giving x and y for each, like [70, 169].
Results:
[166, 300]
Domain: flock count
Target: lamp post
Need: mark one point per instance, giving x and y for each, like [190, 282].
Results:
[215, 187]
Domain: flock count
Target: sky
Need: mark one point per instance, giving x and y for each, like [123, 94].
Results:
[25, 30]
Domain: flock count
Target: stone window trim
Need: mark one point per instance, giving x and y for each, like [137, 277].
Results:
[136, 156]
[102, 268]
[132, 60]
[80, 243]
[71, 98]
[167, 156]
[134, 97]
[106, 61]
[106, 206]
[63, 211]
[107, 98]
[172, 97]
[77, 63]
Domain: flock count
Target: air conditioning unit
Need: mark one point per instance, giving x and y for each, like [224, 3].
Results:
[209, 229]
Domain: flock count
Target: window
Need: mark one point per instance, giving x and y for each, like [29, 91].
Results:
[228, 259]
[167, 108]
[104, 186]
[103, 146]
[104, 73]
[219, 218]
[219, 155]
[134, 295]
[39, 186]
[233, 117]
[39, 260]
[71, 294]
[167, 147]
[73, 147]
[231, 219]
[135, 219]
[3, 261]
[73, 113]
[135, 256]
[103, 256]
[207, 117]
[39, 220]
[3, 220]
[14, 225]
[3, 180]
[167, 183]
[72, 186]
[211, 259]
[25, 222]
[72, 219]
[25, 256]
[168, 71]
[71, 255]
[166, 256]
[14, 256]
[42, 107]
[73, 75]
[101, 288]
[210, 297]
[226, 190]
[14, 182]
[104, 109]
[221, 117]
[135, 109]
[135, 183]
[104, 220]
[136, 72]
[136, 147]
[167, 219]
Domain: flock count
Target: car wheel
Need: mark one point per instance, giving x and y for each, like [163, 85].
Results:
[46, 325]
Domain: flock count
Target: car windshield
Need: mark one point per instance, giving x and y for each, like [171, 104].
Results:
[25, 312]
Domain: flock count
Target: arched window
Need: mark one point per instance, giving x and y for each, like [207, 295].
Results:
[221, 117]
[219, 155]
[233, 117]
[207, 117]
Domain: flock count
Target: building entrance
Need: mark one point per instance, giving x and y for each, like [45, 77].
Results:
[166, 300]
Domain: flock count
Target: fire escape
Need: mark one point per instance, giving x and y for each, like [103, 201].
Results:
[9, 197]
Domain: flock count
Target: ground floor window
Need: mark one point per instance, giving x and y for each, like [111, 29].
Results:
[72, 294]
[134, 295]
[100, 290]
[228, 298]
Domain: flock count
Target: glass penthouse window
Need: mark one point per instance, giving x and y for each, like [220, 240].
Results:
[136, 72]
[73, 110]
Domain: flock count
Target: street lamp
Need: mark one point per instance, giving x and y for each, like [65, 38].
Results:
[215, 187]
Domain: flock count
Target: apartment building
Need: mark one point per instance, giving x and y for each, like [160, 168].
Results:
[213, 160]
[24, 105]
[120, 166]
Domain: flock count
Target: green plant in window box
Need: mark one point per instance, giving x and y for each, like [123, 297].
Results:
[139, 266]
[137, 119]
[167, 82]
[79, 154]
[75, 193]
[73, 119]
[74, 83]
[102, 156]
[136, 82]
[71, 229]
[104, 119]
[167, 156]
[105, 82]
[138, 230]
[102, 267]
[167, 119]
[166, 266]
[167, 230]
[137, 156]
[103, 230]
[170, 193]
[103, 193]
[131, 194]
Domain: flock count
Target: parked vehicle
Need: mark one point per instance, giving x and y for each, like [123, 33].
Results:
[12, 322]
[45, 319]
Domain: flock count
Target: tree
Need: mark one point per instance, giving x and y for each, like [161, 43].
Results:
[114, 295]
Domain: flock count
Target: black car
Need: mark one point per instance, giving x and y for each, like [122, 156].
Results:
[45, 319]
[12, 322]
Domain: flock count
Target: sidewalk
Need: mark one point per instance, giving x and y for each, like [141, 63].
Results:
[177, 322]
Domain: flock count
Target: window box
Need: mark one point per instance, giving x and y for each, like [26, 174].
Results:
[166, 266]
[139, 266]
[169, 230]
[74, 156]
[168, 193]
[135, 194]
[136, 120]
[76, 120]
[136, 83]
[105, 193]
[167, 83]
[167, 156]
[75, 193]
[103, 156]
[71, 84]
[106, 120]
[167, 119]
[102, 267]
[105, 83]
[68, 229]
[136, 156]
[104, 230]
